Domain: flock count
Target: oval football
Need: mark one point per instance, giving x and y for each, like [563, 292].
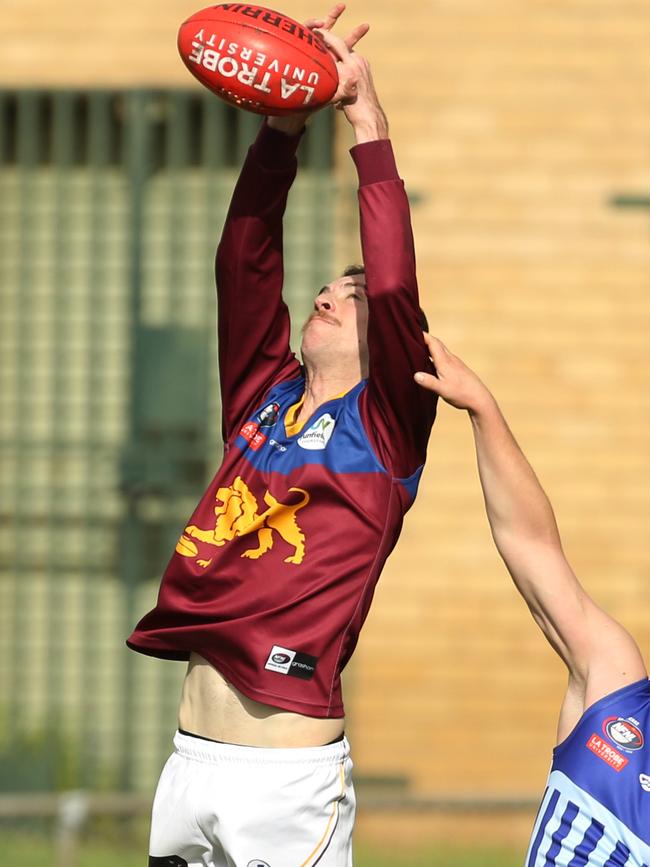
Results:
[258, 59]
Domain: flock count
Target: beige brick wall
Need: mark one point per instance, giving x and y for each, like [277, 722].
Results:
[514, 123]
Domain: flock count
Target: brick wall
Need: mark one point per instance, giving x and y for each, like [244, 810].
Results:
[515, 124]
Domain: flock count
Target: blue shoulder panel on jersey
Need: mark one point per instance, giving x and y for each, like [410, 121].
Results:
[333, 437]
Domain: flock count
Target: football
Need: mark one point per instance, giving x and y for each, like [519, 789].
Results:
[258, 59]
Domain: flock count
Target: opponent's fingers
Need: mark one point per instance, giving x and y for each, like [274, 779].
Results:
[428, 381]
[436, 347]
[432, 341]
[356, 35]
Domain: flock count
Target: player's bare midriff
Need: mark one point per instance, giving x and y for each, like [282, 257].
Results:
[213, 708]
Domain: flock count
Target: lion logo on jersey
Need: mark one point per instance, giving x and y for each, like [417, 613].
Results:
[238, 515]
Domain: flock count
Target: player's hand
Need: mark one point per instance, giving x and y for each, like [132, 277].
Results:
[356, 94]
[357, 33]
[293, 124]
[347, 89]
[453, 381]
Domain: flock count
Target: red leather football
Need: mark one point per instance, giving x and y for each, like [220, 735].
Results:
[258, 59]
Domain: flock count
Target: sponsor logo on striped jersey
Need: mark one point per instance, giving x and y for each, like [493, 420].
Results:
[318, 435]
[608, 754]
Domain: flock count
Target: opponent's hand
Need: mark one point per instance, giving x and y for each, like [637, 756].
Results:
[454, 381]
[356, 94]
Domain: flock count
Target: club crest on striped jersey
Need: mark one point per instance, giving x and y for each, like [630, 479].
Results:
[318, 435]
[625, 733]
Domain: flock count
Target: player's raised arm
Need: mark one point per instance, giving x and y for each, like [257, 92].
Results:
[601, 656]
[399, 417]
[254, 325]
[253, 321]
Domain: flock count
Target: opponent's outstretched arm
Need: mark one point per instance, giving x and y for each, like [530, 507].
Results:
[600, 654]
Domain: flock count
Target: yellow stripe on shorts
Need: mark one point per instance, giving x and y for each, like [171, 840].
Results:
[335, 810]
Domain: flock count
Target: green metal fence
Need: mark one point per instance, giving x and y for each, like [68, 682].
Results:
[110, 207]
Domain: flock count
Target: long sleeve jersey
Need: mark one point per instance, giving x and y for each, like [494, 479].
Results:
[596, 808]
[274, 574]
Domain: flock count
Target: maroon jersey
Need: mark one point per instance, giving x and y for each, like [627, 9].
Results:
[273, 576]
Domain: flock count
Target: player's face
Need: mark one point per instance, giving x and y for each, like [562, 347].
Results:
[339, 322]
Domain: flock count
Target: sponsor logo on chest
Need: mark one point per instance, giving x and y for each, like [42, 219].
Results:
[318, 435]
[269, 415]
[252, 430]
[608, 754]
[253, 435]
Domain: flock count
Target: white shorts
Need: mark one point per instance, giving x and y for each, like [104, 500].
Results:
[222, 805]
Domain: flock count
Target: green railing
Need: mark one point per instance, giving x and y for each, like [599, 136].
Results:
[110, 207]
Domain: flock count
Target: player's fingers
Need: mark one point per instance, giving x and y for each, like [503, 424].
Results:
[428, 381]
[314, 23]
[346, 93]
[334, 14]
[335, 44]
[329, 21]
[342, 104]
[356, 35]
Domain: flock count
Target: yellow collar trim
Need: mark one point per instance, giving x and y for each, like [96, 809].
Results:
[293, 425]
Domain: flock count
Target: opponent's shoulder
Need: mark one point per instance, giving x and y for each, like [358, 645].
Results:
[580, 712]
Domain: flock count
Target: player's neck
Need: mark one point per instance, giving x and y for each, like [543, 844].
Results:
[322, 385]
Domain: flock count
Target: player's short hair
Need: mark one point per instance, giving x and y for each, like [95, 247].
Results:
[353, 270]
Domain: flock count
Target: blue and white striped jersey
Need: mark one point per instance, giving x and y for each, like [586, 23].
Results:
[596, 808]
